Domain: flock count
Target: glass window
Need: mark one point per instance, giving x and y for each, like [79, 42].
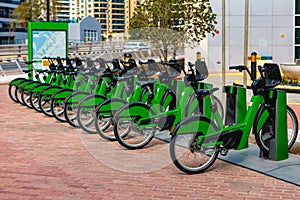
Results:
[297, 36]
[297, 21]
[297, 9]
[297, 52]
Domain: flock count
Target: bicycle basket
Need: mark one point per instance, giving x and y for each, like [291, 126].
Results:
[175, 69]
[201, 70]
[152, 68]
[272, 75]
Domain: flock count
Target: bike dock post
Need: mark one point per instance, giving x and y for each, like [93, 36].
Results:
[279, 144]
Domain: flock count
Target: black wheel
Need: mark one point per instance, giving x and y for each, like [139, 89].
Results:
[57, 108]
[266, 133]
[12, 87]
[18, 95]
[34, 101]
[105, 117]
[127, 132]
[186, 154]
[86, 113]
[193, 106]
[11, 92]
[45, 105]
[71, 107]
[70, 111]
[220, 108]
[25, 98]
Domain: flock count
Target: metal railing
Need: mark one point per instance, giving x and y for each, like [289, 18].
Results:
[13, 57]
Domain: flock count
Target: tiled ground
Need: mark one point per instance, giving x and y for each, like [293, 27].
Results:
[41, 158]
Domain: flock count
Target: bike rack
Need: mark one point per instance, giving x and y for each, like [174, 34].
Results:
[279, 144]
[235, 111]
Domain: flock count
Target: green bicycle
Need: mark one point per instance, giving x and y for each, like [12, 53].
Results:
[197, 140]
[136, 123]
[132, 91]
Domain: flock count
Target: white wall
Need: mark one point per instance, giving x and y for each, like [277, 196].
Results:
[271, 30]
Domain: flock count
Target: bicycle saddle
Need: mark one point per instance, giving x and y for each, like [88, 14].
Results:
[145, 83]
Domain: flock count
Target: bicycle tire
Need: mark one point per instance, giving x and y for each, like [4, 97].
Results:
[12, 87]
[196, 110]
[70, 114]
[70, 108]
[34, 102]
[25, 97]
[104, 121]
[58, 104]
[18, 95]
[184, 144]
[126, 132]
[104, 117]
[86, 115]
[263, 140]
[57, 109]
[11, 93]
[45, 105]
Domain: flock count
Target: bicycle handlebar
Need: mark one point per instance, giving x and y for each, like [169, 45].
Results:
[241, 68]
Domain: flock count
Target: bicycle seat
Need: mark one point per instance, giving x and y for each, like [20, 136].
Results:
[145, 83]
[204, 92]
[123, 78]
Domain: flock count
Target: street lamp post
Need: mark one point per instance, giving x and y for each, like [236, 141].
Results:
[246, 21]
[48, 10]
[106, 25]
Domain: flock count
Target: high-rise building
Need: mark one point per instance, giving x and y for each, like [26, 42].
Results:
[113, 15]
[6, 34]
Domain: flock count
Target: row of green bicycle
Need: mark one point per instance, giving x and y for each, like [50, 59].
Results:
[128, 99]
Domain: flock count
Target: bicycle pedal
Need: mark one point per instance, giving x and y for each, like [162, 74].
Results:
[224, 152]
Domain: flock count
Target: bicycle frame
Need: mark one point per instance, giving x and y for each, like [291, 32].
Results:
[171, 117]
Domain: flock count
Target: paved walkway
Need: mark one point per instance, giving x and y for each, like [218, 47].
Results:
[41, 158]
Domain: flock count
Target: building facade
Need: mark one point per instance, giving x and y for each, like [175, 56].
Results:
[8, 36]
[113, 15]
[274, 31]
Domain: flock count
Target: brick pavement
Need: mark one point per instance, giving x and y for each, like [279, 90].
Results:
[41, 158]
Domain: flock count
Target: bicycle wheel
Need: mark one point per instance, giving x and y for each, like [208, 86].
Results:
[45, 105]
[86, 113]
[11, 92]
[58, 104]
[70, 111]
[34, 101]
[186, 154]
[71, 107]
[264, 136]
[193, 106]
[105, 116]
[18, 95]
[127, 132]
[25, 98]
[57, 108]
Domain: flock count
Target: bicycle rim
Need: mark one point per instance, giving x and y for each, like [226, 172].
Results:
[45, 105]
[102, 124]
[57, 109]
[86, 118]
[190, 158]
[130, 135]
